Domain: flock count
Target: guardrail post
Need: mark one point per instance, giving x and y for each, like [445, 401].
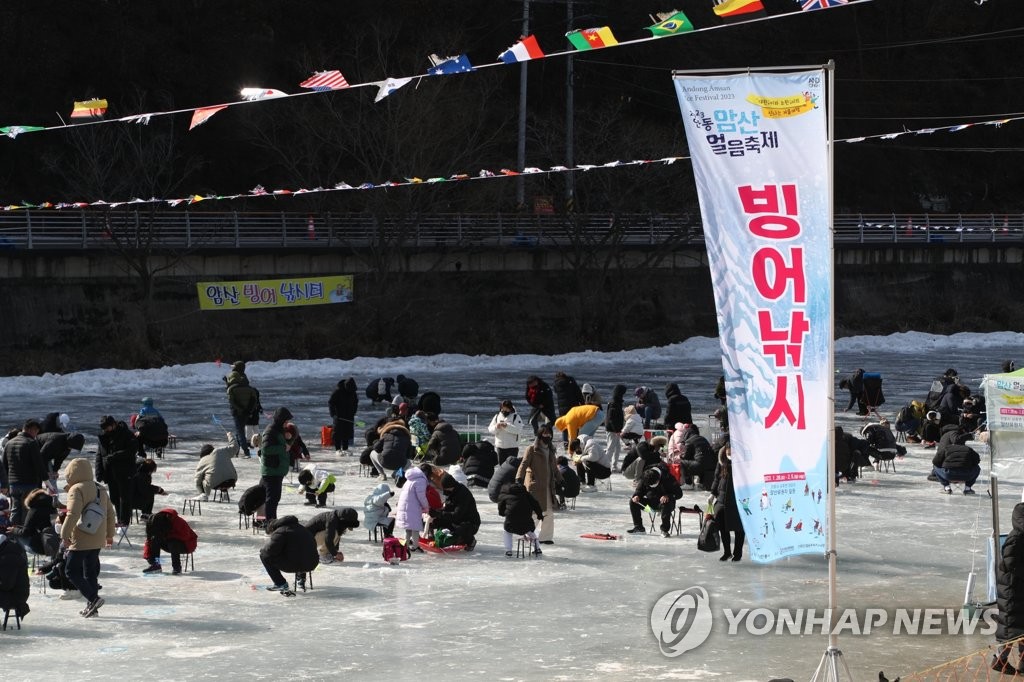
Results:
[136, 229]
[330, 230]
[960, 220]
[85, 232]
[860, 228]
[234, 218]
[28, 228]
[284, 230]
[993, 229]
[188, 230]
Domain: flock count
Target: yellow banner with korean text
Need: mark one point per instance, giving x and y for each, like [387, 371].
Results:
[252, 294]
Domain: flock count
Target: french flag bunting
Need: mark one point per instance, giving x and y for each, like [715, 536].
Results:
[525, 50]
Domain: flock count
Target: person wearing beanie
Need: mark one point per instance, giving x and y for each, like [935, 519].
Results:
[244, 403]
[215, 467]
[274, 461]
[459, 516]
[327, 529]
[343, 405]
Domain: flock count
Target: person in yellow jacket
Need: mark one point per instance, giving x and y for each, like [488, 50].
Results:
[578, 420]
[83, 566]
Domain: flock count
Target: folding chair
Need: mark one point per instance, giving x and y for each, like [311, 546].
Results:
[7, 615]
[122, 534]
[677, 522]
[193, 504]
[221, 493]
[652, 516]
[308, 584]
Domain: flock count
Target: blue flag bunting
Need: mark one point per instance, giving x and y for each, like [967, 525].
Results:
[451, 65]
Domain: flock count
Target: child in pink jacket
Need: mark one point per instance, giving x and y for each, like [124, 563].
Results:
[412, 505]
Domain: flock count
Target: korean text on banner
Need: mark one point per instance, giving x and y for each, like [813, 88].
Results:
[274, 293]
[759, 145]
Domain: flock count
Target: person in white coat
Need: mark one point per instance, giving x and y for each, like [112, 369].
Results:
[633, 426]
[506, 427]
[215, 467]
[592, 461]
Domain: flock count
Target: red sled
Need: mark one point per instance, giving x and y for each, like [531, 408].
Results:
[600, 536]
[428, 546]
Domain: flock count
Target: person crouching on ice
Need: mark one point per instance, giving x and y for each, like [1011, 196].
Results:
[167, 531]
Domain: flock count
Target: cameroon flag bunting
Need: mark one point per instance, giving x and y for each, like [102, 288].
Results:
[592, 38]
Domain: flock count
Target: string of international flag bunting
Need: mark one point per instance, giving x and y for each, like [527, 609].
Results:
[668, 24]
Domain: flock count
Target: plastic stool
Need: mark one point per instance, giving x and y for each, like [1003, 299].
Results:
[524, 547]
[309, 582]
[193, 505]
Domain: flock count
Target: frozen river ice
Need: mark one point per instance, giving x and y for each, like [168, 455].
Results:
[582, 611]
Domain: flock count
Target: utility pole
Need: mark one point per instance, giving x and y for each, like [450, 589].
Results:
[570, 179]
[521, 181]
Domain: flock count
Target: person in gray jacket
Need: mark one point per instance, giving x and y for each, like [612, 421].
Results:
[215, 467]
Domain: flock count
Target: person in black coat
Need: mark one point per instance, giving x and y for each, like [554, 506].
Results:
[567, 396]
[677, 408]
[698, 463]
[505, 474]
[379, 390]
[56, 446]
[14, 584]
[429, 402]
[541, 401]
[459, 514]
[22, 468]
[291, 548]
[478, 463]
[50, 423]
[727, 514]
[641, 457]
[115, 465]
[408, 388]
[38, 533]
[845, 466]
[393, 450]
[1010, 594]
[519, 507]
[957, 463]
[659, 490]
[328, 527]
[145, 492]
[343, 405]
[614, 420]
[951, 403]
[569, 487]
[855, 385]
[444, 446]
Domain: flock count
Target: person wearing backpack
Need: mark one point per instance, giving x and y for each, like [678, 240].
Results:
[244, 402]
[274, 461]
[167, 531]
[84, 540]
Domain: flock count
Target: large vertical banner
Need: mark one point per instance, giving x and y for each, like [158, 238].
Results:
[759, 144]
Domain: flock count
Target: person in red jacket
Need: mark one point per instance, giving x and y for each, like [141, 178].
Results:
[167, 531]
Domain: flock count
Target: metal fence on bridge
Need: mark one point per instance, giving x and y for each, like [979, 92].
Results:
[195, 230]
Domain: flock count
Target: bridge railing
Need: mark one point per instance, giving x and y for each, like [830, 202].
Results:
[104, 230]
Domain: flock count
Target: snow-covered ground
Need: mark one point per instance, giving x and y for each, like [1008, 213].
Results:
[583, 610]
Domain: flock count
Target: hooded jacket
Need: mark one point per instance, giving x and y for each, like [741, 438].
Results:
[956, 457]
[274, 460]
[395, 445]
[518, 507]
[505, 474]
[574, 419]
[698, 458]
[540, 397]
[667, 486]
[412, 503]
[614, 418]
[115, 457]
[478, 462]
[166, 525]
[334, 524]
[444, 446]
[567, 392]
[290, 548]
[594, 451]
[678, 406]
[344, 401]
[38, 530]
[1010, 581]
[506, 436]
[82, 490]
[243, 399]
[376, 506]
